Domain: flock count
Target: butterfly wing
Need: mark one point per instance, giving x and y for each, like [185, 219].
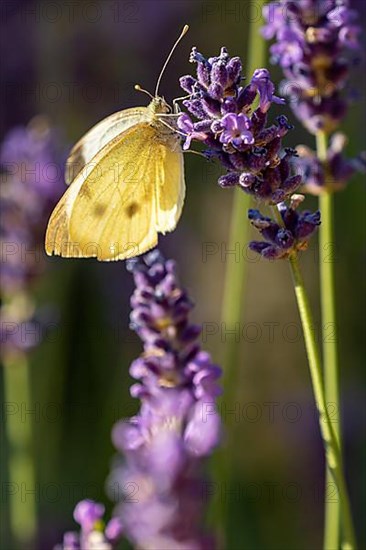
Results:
[58, 239]
[101, 134]
[115, 209]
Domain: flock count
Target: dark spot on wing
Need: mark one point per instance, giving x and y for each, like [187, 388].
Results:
[132, 209]
[99, 209]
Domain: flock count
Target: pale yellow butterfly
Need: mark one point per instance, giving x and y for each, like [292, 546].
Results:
[126, 179]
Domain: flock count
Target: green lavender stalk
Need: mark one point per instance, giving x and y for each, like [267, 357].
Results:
[330, 440]
[331, 443]
[328, 308]
[21, 471]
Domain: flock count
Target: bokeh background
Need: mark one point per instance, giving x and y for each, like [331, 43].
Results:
[77, 62]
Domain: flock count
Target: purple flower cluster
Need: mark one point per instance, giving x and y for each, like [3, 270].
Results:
[336, 172]
[234, 130]
[177, 425]
[288, 237]
[31, 181]
[94, 535]
[311, 40]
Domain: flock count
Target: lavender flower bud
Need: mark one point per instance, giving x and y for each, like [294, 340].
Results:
[283, 240]
[92, 534]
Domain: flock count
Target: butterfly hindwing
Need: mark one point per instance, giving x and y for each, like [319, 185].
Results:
[57, 236]
[170, 188]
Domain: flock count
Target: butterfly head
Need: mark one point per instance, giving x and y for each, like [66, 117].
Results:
[159, 106]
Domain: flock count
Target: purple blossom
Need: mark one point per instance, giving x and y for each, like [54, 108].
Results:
[177, 426]
[87, 513]
[261, 82]
[335, 174]
[282, 240]
[234, 131]
[312, 39]
[186, 125]
[93, 535]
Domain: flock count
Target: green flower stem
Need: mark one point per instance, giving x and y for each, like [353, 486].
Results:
[331, 376]
[332, 450]
[234, 289]
[21, 472]
[231, 317]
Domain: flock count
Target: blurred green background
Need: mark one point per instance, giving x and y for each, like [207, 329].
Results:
[77, 62]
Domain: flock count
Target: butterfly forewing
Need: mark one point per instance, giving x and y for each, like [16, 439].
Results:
[114, 214]
[102, 133]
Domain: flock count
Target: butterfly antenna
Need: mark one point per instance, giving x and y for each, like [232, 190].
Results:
[184, 31]
[139, 89]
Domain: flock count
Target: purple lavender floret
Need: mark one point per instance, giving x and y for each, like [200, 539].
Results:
[94, 534]
[225, 118]
[336, 172]
[312, 39]
[282, 240]
[177, 426]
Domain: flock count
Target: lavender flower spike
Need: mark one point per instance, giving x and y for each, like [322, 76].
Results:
[282, 240]
[225, 119]
[312, 39]
[31, 181]
[177, 426]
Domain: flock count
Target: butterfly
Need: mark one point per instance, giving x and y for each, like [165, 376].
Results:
[126, 185]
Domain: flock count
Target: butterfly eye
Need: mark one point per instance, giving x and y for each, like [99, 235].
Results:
[164, 107]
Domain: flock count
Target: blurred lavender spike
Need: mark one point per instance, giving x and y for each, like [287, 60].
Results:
[160, 483]
[312, 39]
[31, 181]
